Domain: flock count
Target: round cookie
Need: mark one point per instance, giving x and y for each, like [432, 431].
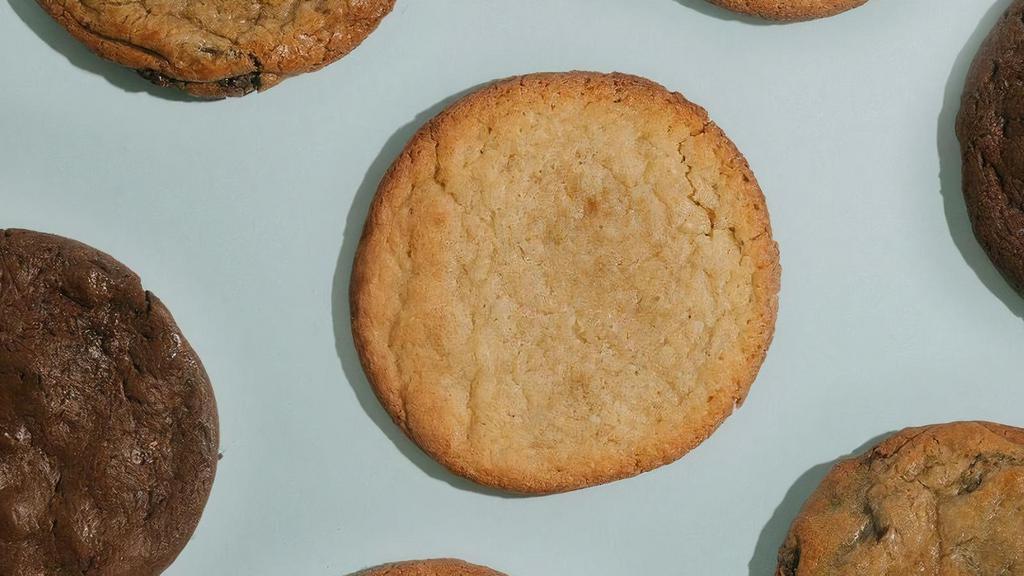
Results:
[108, 425]
[441, 567]
[945, 499]
[218, 48]
[789, 10]
[990, 127]
[564, 280]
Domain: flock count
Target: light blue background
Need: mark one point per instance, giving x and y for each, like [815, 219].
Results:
[243, 216]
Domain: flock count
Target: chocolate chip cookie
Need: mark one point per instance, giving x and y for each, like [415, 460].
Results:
[945, 499]
[108, 426]
[565, 279]
[789, 10]
[218, 48]
[991, 131]
[442, 567]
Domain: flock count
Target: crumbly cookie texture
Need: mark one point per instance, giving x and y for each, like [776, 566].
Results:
[565, 279]
[218, 48]
[108, 425]
[991, 132]
[946, 499]
[790, 10]
[441, 567]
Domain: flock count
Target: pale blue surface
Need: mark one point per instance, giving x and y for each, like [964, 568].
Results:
[236, 212]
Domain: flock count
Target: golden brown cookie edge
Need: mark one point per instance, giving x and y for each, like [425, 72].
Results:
[775, 11]
[435, 567]
[847, 469]
[227, 85]
[767, 283]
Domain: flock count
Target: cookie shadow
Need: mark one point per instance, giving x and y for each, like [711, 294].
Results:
[342, 314]
[765, 559]
[951, 169]
[59, 39]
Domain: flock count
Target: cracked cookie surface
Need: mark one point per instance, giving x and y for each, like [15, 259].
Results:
[218, 48]
[790, 10]
[940, 500]
[990, 127]
[108, 425]
[564, 280]
[440, 567]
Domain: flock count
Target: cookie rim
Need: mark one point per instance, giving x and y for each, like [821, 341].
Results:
[982, 214]
[196, 508]
[884, 448]
[430, 563]
[780, 13]
[154, 69]
[766, 285]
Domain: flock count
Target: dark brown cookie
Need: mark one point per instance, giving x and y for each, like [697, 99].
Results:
[108, 425]
[441, 567]
[218, 48]
[945, 499]
[789, 10]
[991, 131]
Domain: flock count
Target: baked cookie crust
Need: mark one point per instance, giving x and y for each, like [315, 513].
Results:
[108, 424]
[219, 48]
[565, 279]
[990, 127]
[440, 567]
[943, 499]
[790, 10]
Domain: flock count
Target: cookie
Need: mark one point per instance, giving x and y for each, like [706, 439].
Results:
[108, 426]
[218, 48]
[990, 127]
[789, 10]
[442, 567]
[944, 499]
[564, 280]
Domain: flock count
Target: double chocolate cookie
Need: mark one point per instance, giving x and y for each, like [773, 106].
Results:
[991, 131]
[790, 10]
[108, 426]
[218, 48]
[945, 499]
[565, 279]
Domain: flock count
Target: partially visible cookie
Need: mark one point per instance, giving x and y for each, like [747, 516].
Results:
[789, 10]
[108, 425]
[441, 567]
[218, 48]
[564, 280]
[944, 499]
[991, 132]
